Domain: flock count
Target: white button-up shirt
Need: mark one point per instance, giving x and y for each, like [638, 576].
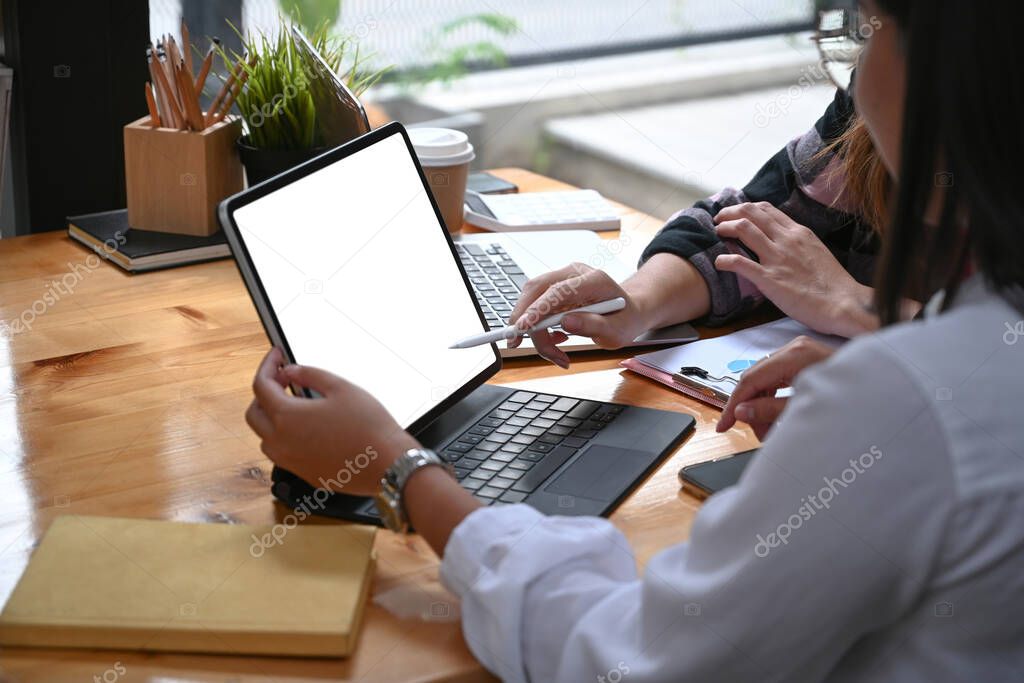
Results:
[878, 536]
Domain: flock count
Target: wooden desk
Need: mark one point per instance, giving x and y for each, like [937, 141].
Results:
[126, 398]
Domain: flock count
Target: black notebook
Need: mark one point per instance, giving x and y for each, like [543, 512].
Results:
[110, 236]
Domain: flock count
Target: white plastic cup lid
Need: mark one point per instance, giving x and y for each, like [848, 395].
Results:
[441, 146]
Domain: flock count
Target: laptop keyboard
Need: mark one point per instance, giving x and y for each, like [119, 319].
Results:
[497, 280]
[508, 454]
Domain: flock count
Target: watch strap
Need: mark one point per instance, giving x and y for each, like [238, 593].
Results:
[389, 500]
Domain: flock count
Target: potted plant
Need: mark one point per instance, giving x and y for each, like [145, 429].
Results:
[281, 123]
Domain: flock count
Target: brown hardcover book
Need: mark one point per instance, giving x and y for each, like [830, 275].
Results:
[134, 584]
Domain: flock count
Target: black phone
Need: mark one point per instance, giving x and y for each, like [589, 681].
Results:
[487, 183]
[706, 478]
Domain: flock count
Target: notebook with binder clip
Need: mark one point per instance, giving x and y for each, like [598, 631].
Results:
[709, 370]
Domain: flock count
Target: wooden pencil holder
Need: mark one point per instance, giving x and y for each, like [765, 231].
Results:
[175, 178]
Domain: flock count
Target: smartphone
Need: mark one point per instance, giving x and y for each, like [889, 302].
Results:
[706, 478]
[486, 183]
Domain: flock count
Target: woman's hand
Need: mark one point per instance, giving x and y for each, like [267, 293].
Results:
[754, 400]
[796, 271]
[572, 287]
[343, 441]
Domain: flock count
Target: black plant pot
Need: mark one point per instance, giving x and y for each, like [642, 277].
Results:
[261, 164]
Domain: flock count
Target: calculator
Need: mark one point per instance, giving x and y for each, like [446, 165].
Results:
[572, 210]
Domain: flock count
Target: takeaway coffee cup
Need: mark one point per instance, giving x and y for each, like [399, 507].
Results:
[445, 156]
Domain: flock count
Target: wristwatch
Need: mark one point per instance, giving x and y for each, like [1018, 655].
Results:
[392, 485]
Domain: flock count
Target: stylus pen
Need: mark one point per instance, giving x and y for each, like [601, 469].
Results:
[511, 331]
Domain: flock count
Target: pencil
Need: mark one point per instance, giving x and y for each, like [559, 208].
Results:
[165, 66]
[165, 78]
[230, 101]
[186, 45]
[172, 104]
[204, 71]
[173, 53]
[154, 115]
[160, 108]
[162, 97]
[186, 87]
[224, 90]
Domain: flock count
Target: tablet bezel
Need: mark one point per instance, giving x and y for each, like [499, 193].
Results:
[258, 294]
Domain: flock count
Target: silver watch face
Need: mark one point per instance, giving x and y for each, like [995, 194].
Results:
[389, 498]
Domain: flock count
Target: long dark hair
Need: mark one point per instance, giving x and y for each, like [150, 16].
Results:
[962, 133]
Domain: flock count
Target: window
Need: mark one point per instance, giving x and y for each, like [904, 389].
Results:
[413, 33]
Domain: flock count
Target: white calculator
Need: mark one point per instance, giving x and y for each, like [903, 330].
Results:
[573, 210]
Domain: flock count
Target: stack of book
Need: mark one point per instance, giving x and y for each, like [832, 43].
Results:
[110, 236]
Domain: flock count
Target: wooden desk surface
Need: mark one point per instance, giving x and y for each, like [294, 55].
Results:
[124, 396]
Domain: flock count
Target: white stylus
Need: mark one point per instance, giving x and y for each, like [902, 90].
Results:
[510, 331]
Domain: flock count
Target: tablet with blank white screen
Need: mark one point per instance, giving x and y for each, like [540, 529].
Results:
[353, 270]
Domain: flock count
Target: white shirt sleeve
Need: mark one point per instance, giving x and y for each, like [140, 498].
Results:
[830, 534]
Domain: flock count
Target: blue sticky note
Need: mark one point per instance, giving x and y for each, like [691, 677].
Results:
[740, 365]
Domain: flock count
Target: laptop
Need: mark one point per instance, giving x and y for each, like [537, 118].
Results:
[499, 263]
[351, 269]
[340, 114]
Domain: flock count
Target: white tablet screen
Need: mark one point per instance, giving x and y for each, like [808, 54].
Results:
[362, 280]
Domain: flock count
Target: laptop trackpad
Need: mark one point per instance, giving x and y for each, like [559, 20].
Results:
[602, 473]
